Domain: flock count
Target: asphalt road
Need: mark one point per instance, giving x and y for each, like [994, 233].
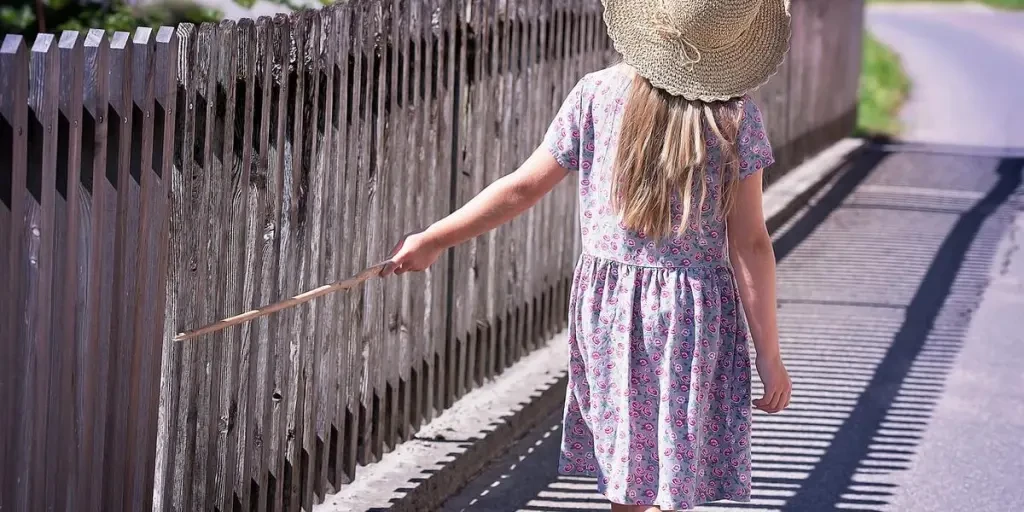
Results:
[967, 65]
[901, 294]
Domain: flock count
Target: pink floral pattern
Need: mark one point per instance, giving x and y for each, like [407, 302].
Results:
[658, 402]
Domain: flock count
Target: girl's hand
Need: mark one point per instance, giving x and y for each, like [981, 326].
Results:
[777, 386]
[413, 254]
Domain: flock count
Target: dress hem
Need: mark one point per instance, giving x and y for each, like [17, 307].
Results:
[667, 507]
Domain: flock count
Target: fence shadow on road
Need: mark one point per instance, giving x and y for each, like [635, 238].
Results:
[869, 369]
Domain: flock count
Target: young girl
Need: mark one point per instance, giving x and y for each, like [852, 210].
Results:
[668, 151]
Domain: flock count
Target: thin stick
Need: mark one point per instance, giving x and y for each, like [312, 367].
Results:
[351, 282]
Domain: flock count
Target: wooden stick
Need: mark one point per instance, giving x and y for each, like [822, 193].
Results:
[351, 282]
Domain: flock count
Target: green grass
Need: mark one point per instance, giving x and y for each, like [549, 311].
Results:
[1002, 4]
[883, 88]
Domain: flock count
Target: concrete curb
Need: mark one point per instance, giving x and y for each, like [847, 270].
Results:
[451, 450]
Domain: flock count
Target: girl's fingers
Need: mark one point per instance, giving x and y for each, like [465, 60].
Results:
[777, 401]
[770, 401]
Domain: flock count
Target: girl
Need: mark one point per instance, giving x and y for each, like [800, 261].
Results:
[669, 152]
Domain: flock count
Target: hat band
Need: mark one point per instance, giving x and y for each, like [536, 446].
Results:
[670, 32]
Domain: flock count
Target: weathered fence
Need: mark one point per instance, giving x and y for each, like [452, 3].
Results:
[154, 182]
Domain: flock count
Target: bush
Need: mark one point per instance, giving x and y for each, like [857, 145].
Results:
[20, 16]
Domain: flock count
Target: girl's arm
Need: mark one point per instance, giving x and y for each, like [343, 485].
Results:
[500, 202]
[753, 258]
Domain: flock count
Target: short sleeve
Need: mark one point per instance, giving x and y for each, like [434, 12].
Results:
[755, 151]
[563, 136]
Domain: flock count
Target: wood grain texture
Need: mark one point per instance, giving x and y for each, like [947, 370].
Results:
[70, 359]
[165, 90]
[14, 90]
[243, 280]
[39, 263]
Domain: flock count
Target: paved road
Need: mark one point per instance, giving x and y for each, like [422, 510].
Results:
[967, 64]
[901, 295]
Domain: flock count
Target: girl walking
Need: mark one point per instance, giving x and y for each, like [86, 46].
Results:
[668, 151]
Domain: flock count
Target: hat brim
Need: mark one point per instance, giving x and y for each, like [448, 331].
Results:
[722, 73]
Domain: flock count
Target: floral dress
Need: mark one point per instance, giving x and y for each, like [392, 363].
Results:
[658, 402]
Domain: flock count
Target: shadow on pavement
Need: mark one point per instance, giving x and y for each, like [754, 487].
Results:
[878, 278]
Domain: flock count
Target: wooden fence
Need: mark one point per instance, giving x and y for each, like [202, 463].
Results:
[156, 181]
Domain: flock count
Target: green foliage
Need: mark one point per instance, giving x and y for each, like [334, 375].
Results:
[19, 16]
[883, 88]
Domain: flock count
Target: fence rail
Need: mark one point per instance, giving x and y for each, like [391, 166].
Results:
[156, 181]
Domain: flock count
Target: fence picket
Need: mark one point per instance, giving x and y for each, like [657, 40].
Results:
[280, 398]
[39, 259]
[124, 170]
[164, 120]
[224, 177]
[264, 196]
[62, 448]
[329, 353]
[141, 239]
[14, 71]
[356, 207]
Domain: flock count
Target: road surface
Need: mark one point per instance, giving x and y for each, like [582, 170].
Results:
[967, 66]
[901, 305]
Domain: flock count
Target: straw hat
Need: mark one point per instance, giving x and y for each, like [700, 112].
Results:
[706, 50]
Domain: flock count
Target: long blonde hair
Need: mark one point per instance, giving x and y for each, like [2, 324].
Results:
[663, 151]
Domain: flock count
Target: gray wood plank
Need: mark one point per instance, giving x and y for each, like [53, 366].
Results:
[165, 89]
[226, 195]
[14, 70]
[99, 204]
[177, 375]
[355, 202]
[206, 227]
[340, 244]
[285, 283]
[410, 332]
[391, 146]
[460, 130]
[312, 178]
[123, 173]
[448, 57]
[368, 236]
[90, 358]
[439, 181]
[264, 212]
[491, 249]
[376, 244]
[244, 271]
[495, 117]
[328, 353]
[422, 312]
[145, 227]
[474, 266]
[294, 213]
[69, 357]
[517, 254]
[38, 263]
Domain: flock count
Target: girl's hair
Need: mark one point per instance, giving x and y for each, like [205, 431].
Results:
[663, 151]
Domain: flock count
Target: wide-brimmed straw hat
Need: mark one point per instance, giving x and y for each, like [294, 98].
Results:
[708, 50]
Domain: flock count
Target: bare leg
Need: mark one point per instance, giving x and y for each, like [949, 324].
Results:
[634, 508]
